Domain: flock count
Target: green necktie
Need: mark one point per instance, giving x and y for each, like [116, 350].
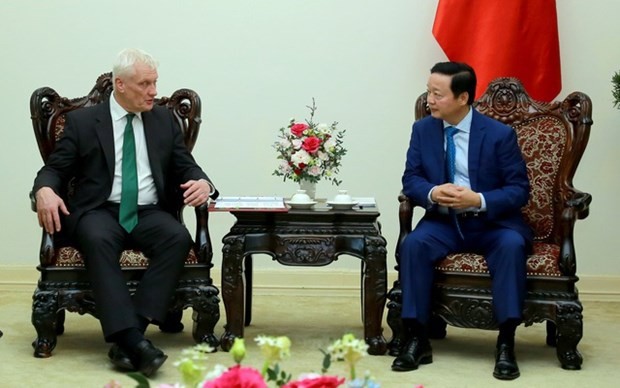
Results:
[128, 212]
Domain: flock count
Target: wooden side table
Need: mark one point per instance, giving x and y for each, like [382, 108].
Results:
[312, 237]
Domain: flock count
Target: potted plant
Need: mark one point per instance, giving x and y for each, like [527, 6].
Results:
[615, 92]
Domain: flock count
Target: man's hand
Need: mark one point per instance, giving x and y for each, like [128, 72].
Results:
[48, 203]
[456, 197]
[196, 192]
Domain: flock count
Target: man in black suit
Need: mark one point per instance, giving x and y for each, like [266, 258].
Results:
[101, 216]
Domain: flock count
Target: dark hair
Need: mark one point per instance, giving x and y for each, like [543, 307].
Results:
[463, 78]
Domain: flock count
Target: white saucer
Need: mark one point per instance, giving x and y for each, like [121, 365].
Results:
[341, 205]
[301, 205]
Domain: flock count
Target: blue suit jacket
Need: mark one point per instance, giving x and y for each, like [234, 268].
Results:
[496, 168]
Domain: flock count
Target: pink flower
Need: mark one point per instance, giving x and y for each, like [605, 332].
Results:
[316, 381]
[298, 129]
[238, 377]
[311, 144]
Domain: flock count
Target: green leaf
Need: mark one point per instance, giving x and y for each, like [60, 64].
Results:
[327, 361]
[284, 378]
[272, 375]
[143, 382]
[615, 80]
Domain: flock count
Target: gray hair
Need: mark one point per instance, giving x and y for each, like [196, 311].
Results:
[127, 58]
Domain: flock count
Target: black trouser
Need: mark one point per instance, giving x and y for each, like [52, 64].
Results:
[101, 239]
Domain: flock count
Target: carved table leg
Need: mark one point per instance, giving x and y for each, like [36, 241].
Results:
[232, 289]
[570, 329]
[247, 270]
[375, 289]
[44, 319]
[205, 303]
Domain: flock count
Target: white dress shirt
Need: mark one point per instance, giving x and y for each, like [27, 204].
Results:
[147, 194]
[461, 174]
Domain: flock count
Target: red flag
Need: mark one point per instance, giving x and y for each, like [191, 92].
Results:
[507, 38]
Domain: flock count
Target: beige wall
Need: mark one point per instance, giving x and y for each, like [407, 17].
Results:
[257, 64]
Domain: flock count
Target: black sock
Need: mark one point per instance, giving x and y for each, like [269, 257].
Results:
[128, 339]
[415, 329]
[507, 331]
[143, 323]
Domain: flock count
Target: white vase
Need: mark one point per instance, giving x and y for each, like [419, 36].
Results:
[310, 188]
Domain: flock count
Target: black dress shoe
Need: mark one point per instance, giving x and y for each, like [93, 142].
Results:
[146, 358]
[506, 367]
[416, 352]
[120, 358]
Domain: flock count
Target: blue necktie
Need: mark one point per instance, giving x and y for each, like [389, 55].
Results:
[451, 152]
[451, 168]
[128, 210]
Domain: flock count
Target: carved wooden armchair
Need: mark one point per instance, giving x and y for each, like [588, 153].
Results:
[553, 137]
[63, 284]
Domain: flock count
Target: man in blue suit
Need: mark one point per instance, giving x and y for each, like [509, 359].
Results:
[478, 210]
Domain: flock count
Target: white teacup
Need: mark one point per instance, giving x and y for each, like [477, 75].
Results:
[342, 197]
[300, 197]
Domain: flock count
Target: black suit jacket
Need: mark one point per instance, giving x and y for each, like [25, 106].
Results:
[86, 152]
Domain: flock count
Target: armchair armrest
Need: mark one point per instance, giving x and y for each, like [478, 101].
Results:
[405, 219]
[202, 240]
[577, 208]
[33, 202]
[47, 249]
[580, 202]
[405, 216]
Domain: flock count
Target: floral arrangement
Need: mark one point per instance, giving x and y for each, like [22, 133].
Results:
[309, 151]
[195, 372]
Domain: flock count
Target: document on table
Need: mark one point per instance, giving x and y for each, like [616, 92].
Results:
[232, 203]
[365, 202]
